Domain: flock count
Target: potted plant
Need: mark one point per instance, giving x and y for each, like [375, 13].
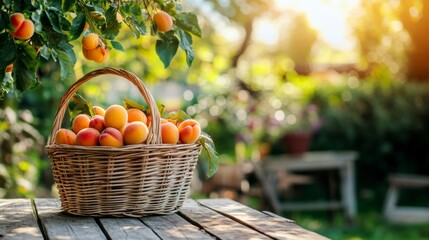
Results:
[301, 124]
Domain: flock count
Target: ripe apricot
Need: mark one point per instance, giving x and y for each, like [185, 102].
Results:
[163, 21]
[90, 41]
[97, 122]
[80, 122]
[105, 52]
[135, 133]
[169, 133]
[111, 137]
[99, 110]
[16, 20]
[65, 136]
[99, 54]
[116, 116]
[87, 137]
[9, 68]
[189, 131]
[23, 28]
[135, 114]
[173, 121]
[94, 54]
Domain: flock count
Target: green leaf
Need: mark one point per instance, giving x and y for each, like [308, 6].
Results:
[161, 109]
[6, 85]
[131, 104]
[80, 106]
[133, 17]
[178, 115]
[117, 45]
[186, 44]
[7, 50]
[111, 29]
[66, 65]
[212, 156]
[4, 21]
[188, 22]
[166, 48]
[78, 24]
[45, 53]
[68, 5]
[54, 20]
[25, 66]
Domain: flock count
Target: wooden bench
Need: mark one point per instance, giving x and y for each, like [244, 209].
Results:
[343, 161]
[405, 214]
[197, 219]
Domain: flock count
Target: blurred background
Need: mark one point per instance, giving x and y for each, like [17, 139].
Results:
[355, 74]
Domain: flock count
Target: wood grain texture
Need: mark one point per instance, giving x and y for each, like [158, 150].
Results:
[127, 228]
[17, 220]
[174, 227]
[216, 224]
[59, 225]
[275, 227]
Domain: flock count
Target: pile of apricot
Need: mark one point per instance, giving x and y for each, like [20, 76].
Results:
[117, 126]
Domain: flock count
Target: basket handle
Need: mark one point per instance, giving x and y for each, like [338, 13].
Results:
[154, 136]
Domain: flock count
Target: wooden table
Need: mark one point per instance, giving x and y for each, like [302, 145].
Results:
[343, 161]
[201, 219]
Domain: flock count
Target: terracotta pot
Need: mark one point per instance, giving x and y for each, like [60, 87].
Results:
[297, 142]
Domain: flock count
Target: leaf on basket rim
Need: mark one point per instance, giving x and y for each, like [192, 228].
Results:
[212, 155]
[129, 104]
[80, 106]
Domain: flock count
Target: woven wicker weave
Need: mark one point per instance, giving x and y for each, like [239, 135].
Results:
[135, 180]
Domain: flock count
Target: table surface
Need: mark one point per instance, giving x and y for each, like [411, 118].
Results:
[197, 219]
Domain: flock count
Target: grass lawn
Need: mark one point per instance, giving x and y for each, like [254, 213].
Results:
[370, 225]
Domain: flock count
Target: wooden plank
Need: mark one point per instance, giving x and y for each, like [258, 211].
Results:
[17, 220]
[174, 227]
[216, 224]
[127, 228]
[274, 227]
[60, 225]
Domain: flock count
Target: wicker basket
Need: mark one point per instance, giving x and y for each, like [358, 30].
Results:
[135, 180]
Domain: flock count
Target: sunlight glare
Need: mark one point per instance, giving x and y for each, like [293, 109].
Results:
[329, 18]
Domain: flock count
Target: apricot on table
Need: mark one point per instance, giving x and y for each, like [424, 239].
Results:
[135, 114]
[111, 137]
[65, 136]
[169, 133]
[80, 122]
[135, 133]
[163, 21]
[116, 116]
[23, 28]
[87, 137]
[189, 131]
[97, 122]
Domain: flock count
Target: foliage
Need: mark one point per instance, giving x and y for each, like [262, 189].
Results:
[20, 144]
[384, 119]
[59, 23]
